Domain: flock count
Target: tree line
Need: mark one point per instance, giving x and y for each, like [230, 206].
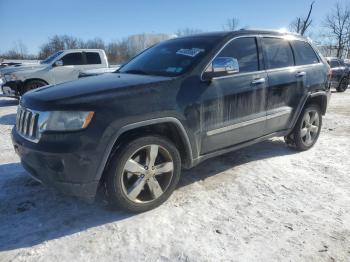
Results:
[335, 35]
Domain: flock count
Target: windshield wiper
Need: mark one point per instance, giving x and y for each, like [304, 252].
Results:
[135, 71]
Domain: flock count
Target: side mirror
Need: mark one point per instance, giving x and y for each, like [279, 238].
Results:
[221, 66]
[58, 63]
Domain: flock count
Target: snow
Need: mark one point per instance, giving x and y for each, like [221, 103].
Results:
[262, 203]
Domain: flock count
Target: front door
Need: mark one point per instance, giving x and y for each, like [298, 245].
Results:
[233, 107]
[72, 65]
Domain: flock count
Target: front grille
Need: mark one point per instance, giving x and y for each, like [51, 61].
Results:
[27, 124]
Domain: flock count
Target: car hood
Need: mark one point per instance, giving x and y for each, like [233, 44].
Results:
[13, 69]
[90, 89]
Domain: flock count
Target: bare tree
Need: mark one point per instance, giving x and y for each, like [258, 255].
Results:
[117, 52]
[60, 42]
[96, 43]
[19, 51]
[231, 24]
[338, 25]
[301, 24]
[137, 43]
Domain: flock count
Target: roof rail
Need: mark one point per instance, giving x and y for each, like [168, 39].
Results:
[282, 30]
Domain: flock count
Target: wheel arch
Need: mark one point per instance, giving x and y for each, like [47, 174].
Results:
[318, 98]
[34, 79]
[26, 81]
[168, 127]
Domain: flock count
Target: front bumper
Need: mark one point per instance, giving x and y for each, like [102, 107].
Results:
[11, 88]
[69, 171]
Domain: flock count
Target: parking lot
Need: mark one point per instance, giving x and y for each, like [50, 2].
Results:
[263, 203]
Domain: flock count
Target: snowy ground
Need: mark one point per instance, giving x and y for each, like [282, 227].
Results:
[262, 203]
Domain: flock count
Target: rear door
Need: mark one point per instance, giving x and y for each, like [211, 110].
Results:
[92, 60]
[286, 83]
[308, 62]
[233, 107]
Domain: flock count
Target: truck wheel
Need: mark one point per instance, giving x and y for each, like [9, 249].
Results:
[343, 85]
[33, 84]
[143, 174]
[306, 130]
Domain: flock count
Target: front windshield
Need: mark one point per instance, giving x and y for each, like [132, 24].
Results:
[51, 58]
[170, 58]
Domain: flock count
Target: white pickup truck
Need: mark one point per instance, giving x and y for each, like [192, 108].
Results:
[60, 67]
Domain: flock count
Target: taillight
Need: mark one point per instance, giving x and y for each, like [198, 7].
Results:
[329, 77]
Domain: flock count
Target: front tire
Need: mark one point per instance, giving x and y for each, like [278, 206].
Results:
[307, 129]
[143, 174]
[343, 85]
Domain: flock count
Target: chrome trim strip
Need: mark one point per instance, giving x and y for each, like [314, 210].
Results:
[282, 113]
[240, 74]
[31, 126]
[25, 127]
[235, 126]
[217, 53]
[28, 124]
[23, 124]
[247, 123]
[296, 67]
[292, 68]
[20, 112]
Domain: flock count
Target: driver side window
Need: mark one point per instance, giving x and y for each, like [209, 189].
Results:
[72, 59]
[245, 51]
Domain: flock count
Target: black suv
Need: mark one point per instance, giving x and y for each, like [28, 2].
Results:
[174, 105]
[340, 74]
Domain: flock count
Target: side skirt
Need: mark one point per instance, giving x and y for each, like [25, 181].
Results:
[202, 158]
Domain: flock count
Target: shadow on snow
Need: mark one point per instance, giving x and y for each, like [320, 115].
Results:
[31, 214]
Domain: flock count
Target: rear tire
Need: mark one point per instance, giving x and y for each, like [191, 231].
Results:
[33, 84]
[143, 174]
[343, 85]
[307, 129]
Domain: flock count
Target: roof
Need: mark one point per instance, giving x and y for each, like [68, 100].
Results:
[223, 34]
[82, 49]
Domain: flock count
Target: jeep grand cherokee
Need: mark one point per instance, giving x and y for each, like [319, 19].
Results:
[174, 105]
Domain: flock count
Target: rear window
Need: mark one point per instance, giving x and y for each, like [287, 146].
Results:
[93, 58]
[72, 59]
[304, 54]
[333, 63]
[278, 53]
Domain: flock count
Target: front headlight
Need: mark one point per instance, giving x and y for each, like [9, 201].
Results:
[10, 77]
[64, 120]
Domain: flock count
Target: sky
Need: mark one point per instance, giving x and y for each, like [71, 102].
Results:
[33, 21]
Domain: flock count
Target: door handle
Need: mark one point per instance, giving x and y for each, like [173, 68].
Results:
[300, 74]
[258, 81]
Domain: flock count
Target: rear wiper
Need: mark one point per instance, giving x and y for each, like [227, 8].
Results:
[136, 71]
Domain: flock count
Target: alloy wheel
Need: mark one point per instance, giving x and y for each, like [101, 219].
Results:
[310, 127]
[147, 174]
